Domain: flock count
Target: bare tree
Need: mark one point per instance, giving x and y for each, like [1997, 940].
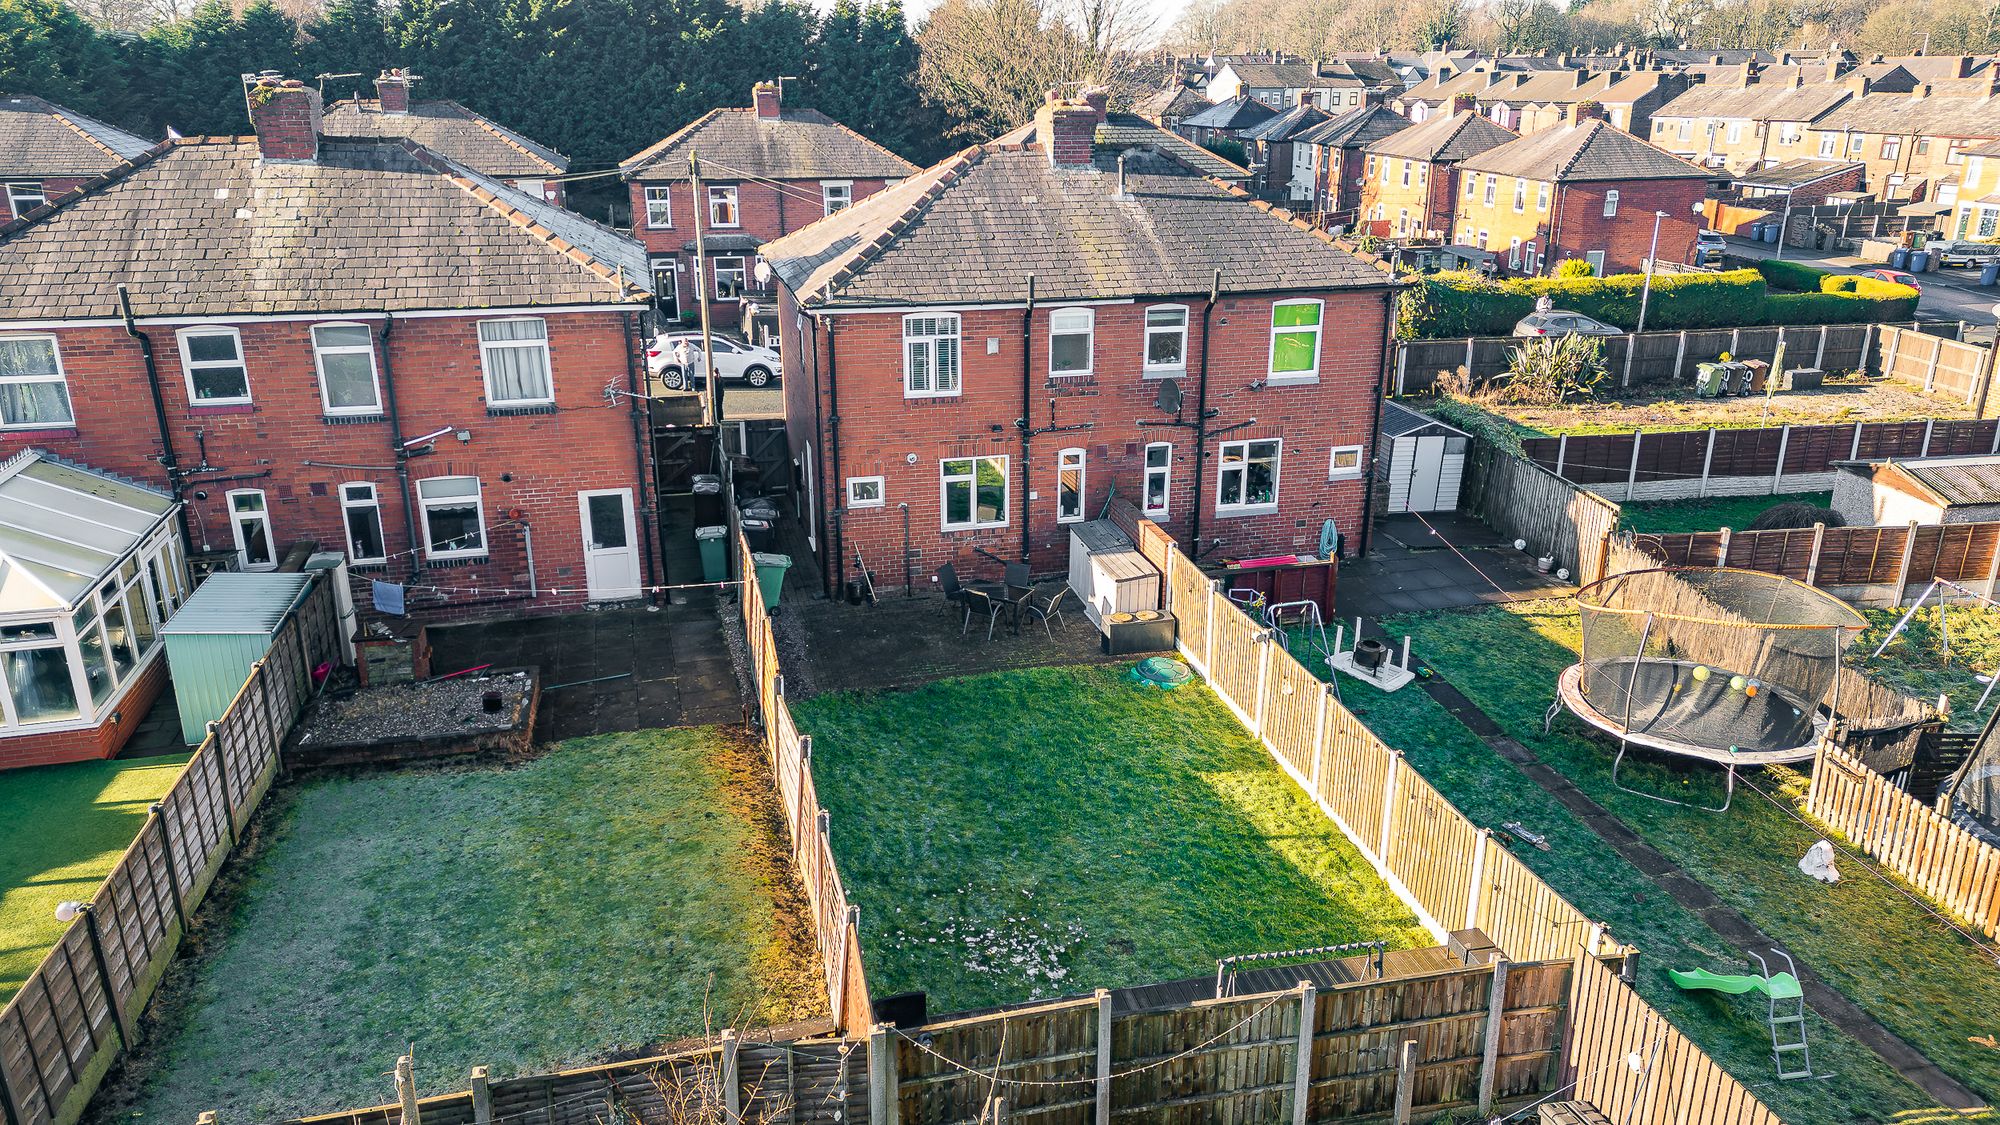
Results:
[991, 63]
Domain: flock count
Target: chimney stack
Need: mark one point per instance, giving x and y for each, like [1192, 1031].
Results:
[1749, 73]
[1463, 103]
[285, 112]
[1098, 99]
[392, 90]
[768, 97]
[1586, 111]
[1068, 131]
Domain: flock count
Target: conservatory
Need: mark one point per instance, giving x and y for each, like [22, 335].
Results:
[90, 567]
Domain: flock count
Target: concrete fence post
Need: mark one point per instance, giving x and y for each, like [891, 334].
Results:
[1930, 425]
[1680, 354]
[1562, 455]
[1784, 443]
[1707, 459]
[1402, 368]
[1892, 343]
[1735, 341]
[1104, 1056]
[1854, 450]
[1632, 470]
[1406, 1080]
[482, 1096]
[1903, 565]
[1496, 1011]
[1476, 891]
[1631, 349]
[1931, 368]
[884, 1106]
[1819, 352]
[1389, 805]
[1471, 353]
[1302, 1056]
[728, 1077]
[1819, 541]
[1722, 548]
[1319, 731]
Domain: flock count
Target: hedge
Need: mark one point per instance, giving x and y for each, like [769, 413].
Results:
[1859, 298]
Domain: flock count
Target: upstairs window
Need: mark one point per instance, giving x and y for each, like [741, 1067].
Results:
[1492, 189]
[33, 392]
[659, 207]
[1541, 197]
[212, 359]
[1611, 203]
[24, 196]
[1520, 195]
[836, 195]
[1295, 340]
[515, 356]
[1071, 333]
[1892, 147]
[1166, 340]
[722, 209]
[345, 357]
[930, 356]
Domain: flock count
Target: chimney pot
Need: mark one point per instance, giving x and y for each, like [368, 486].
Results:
[1098, 99]
[286, 114]
[768, 98]
[392, 90]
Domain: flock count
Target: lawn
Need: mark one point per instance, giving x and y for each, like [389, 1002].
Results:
[1044, 832]
[1920, 979]
[1667, 517]
[66, 827]
[618, 891]
[1917, 663]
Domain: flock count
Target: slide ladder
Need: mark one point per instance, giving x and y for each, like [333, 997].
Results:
[1787, 1017]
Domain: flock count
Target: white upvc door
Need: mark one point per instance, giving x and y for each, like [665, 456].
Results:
[610, 544]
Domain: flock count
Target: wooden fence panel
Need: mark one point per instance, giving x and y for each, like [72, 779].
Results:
[1239, 651]
[1354, 772]
[1522, 500]
[1293, 701]
[1432, 848]
[1673, 1083]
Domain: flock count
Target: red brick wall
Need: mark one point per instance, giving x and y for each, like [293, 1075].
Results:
[53, 188]
[104, 740]
[1580, 225]
[879, 428]
[534, 462]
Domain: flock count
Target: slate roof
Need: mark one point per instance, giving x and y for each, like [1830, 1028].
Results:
[1239, 112]
[1796, 173]
[1362, 125]
[41, 140]
[972, 228]
[800, 144]
[1592, 151]
[1759, 101]
[1444, 138]
[1287, 125]
[453, 132]
[205, 228]
[1122, 130]
[1175, 101]
[1935, 115]
[1276, 76]
[1973, 479]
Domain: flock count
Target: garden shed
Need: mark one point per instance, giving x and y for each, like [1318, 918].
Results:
[1420, 459]
[89, 566]
[224, 629]
[1963, 489]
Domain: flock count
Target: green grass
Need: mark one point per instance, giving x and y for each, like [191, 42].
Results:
[1666, 517]
[610, 894]
[1044, 832]
[66, 826]
[1917, 663]
[1917, 977]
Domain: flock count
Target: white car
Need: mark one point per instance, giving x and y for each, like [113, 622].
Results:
[1963, 252]
[675, 359]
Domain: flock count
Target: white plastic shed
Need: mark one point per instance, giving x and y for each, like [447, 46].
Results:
[1421, 459]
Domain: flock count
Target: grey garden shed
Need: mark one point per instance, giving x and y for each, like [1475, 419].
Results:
[1421, 459]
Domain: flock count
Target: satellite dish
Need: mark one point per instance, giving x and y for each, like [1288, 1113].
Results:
[1169, 401]
[763, 272]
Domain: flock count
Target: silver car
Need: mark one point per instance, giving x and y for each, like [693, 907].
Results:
[1961, 252]
[1561, 322]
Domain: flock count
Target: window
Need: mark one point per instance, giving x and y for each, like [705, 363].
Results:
[836, 195]
[1528, 258]
[1248, 477]
[361, 512]
[212, 358]
[1520, 195]
[974, 492]
[1923, 146]
[33, 392]
[1295, 340]
[1596, 260]
[1371, 167]
[454, 526]
[1069, 486]
[864, 492]
[24, 196]
[1345, 463]
[1514, 254]
[722, 210]
[35, 682]
[1611, 203]
[1541, 197]
[1166, 339]
[1829, 144]
[1070, 332]
[1733, 134]
[1854, 144]
[345, 355]
[1954, 152]
[1406, 173]
[1687, 128]
[1471, 186]
[250, 523]
[1492, 189]
[1788, 133]
[1159, 478]
[515, 357]
[659, 207]
[930, 356]
[731, 277]
[1892, 147]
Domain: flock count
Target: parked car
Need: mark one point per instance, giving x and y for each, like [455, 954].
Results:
[1708, 247]
[1897, 276]
[675, 359]
[1963, 252]
[1561, 322]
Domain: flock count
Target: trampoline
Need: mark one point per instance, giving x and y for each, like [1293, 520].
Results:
[1709, 664]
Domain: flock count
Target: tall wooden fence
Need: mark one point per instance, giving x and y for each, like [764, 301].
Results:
[1645, 357]
[75, 1015]
[836, 923]
[1869, 565]
[1932, 363]
[1524, 500]
[1636, 1067]
[1687, 463]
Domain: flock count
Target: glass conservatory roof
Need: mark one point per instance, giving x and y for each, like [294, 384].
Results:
[63, 527]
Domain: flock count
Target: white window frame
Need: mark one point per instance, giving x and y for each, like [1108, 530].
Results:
[1284, 378]
[1542, 195]
[1153, 370]
[1241, 451]
[19, 190]
[426, 503]
[189, 365]
[261, 515]
[1733, 133]
[1164, 471]
[828, 196]
[946, 478]
[1492, 192]
[715, 272]
[1520, 196]
[1073, 321]
[1596, 260]
[1829, 144]
[1067, 459]
[486, 347]
[320, 352]
[1611, 204]
[1333, 470]
[1788, 133]
[660, 217]
[1892, 147]
[881, 492]
[731, 203]
[930, 342]
[356, 495]
[1406, 173]
[60, 378]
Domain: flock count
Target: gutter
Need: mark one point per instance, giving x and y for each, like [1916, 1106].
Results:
[169, 460]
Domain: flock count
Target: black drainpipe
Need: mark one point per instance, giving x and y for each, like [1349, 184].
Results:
[839, 570]
[1027, 403]
[396, 442]
[169, 460]
[1375, 427]
[821, 460]
[1201, 418]
[648, 513]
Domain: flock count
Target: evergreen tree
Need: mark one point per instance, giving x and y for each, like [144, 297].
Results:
[49, 50]
[350, 37]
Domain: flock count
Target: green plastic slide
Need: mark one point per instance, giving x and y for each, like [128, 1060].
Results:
[1779, 986]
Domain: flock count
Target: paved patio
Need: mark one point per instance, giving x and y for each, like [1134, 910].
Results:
[1441, 560]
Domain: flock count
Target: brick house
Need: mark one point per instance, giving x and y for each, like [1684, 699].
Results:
[964, 377]
[1913, 143]
[767, 171]
[353, 343]
[453, 132]
[46, 151]
[1410, 178]
[1328, 160]
[1272, 154]
[1587, 191]
[1759, 120]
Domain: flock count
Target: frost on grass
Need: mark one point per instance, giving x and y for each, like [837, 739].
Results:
[1019, 951]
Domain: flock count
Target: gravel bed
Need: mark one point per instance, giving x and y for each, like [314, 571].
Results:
[415, 710]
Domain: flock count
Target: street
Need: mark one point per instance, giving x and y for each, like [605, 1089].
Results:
[1949, 294]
